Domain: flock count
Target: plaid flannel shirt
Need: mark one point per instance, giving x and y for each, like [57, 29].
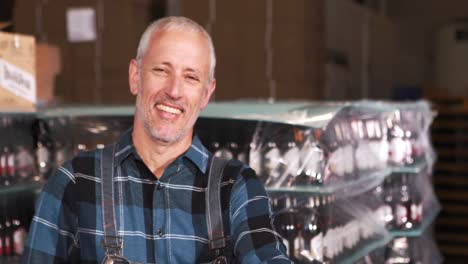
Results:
[161, 220]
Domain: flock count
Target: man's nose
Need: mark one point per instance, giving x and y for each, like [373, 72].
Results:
[174, 87]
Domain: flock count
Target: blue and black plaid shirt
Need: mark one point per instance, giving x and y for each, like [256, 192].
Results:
[161, 221]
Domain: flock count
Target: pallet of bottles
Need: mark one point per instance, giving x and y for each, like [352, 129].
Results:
[73, 130]
[15, 217]
[343, 178]
[32, 147]
[18, 148]
[321, 145]
[450, 138]
[337, 228]
[312, 157]
[18, 168]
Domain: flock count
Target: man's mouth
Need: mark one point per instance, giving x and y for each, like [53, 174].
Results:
[168, 109]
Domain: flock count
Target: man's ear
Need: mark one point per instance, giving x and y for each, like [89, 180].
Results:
[209, 91]
[133, 76]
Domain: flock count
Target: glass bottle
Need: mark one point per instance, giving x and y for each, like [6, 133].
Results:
[291, 163]
[255, 159]
[25, 163]
[3, 166]
[312, 233]
[7, 165]
[402, 202]
[398, 252]
[271, 162]
[44, 148]
[416, 203]
[224, 152]
[386, 209]
[11, 166]
[287, 225]
[330, 227]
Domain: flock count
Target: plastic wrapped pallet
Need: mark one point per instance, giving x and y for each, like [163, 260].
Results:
[343, 177]
[17, 148]
[73, 130]
[323, 144]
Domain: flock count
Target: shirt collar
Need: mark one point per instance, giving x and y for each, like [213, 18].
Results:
[196, 153]
[124, 146]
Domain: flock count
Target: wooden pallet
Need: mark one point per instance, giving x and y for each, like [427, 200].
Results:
[449, 135]
[449, 104]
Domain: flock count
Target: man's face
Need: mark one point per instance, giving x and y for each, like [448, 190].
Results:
[171, 84]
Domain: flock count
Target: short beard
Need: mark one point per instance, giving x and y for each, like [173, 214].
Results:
[149, 126]
[156, 136]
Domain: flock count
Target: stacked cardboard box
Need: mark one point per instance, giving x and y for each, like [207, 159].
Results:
[27, 72]
[47, 67]
[259, 44]
[93, 70]
[251, 35]
[17, 72]
[367, 40]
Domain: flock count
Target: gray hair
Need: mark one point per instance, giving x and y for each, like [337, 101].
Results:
[175, 23]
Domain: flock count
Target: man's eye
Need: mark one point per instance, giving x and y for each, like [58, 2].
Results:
[192, 78]
[161, 72]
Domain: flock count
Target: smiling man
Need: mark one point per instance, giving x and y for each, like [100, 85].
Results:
[148, 197]
[173, 80]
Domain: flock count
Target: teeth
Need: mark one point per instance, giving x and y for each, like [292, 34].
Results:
[168, 109]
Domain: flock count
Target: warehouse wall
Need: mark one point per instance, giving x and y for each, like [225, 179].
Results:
[390, 51]
[270, 49]
[366, 39]
[94, 71]
[416, 22]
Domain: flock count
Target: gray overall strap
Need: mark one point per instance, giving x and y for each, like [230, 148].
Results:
[214, 217]
[110, 241]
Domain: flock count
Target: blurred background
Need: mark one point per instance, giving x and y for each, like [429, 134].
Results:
[324, 50]
[302, 49]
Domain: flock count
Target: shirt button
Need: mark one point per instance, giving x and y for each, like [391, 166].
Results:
[160, 233]
[158, 185]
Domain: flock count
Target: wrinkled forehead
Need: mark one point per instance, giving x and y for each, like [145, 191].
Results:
[181, 46]
[181, 34]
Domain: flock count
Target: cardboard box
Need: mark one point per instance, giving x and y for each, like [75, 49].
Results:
[244, 48]
[48, 65]
[17, 72]
[85, 65]
[34, 60]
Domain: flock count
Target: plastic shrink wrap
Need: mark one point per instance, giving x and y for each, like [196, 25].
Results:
[73, 130]
[417, 249]
[18, 150]
[345, 179]
[18, 160]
